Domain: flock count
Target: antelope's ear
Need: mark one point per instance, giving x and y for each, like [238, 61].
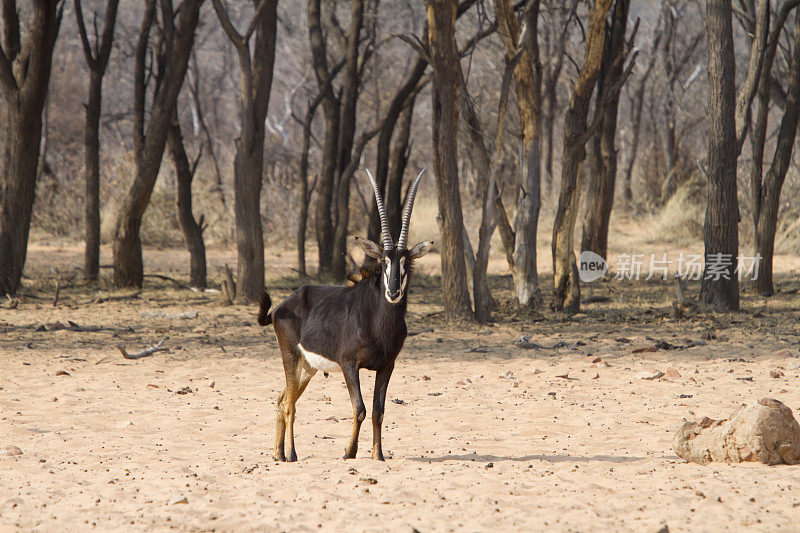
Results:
[370, 248]
[420, 249]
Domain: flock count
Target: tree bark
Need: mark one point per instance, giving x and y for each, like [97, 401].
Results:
[603, 153]
[24, 80]
[768, 193]
[150, 142]
[720, 232]
[330, 148]
[97, 61]
[566, 289]
[347, 130]
[192, 230]
[398, 160]
[441, 15]
[256, 84]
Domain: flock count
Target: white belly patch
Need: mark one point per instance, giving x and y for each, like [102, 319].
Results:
[318, 362]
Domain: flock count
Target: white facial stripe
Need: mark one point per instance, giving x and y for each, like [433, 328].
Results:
[318, 362]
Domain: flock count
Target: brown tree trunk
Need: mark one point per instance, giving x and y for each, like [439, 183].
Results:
[97, 61]
[24, 80]
[255, 87]
[330, 148]
[441, 16]
[150, 142]
[720, 233]
[192, 231]
[347, 130]
[769, 193]
[603, 154]
[566, 287]
[397, 167]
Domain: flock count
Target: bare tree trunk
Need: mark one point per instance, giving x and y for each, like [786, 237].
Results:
[397, 166]
[769, 193]
[304, 197]
[603, 156]
[566, 290]
[256, 84]
[330, 149]
[24, 80]
[441, 16]
[192, 230]
[149, 143]
[347, 130]
[720, 232]
[97, 61]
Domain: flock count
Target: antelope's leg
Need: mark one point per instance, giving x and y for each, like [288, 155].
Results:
[303, 376]
[359, 411]
[280, 430]
[378, 404]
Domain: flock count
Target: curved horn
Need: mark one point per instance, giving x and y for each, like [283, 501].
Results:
[402, 242]
[385, 235]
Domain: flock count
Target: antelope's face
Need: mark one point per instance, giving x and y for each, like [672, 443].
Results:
[395, 266]
[395, 275]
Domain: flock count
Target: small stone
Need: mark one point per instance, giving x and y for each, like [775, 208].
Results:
[536, 371]
[563, 376]
[369, 480]
[596, 376]
[489, 465]
[11, 450]
[62, 373]
[775, 374]
[213, 383]
[184, 390]
[594, 360]
[178, 499]
[785, 353]
[672, 373]
[426, 378]
[645, 349]
[650, 375]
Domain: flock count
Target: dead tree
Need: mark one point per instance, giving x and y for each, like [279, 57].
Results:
[602, 157]
[554, 34]
[192, 229]
[351, 81]
[720, 286]
[330, 106]
[766, 189]
[97, 60]
[24, 78]
[256, 67]
[150, 138]
[527, 82]
[566, 290]
[444, 59]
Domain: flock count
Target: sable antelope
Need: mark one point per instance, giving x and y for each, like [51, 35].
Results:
[337, 328]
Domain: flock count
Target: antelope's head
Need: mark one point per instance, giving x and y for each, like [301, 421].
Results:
[395, 258]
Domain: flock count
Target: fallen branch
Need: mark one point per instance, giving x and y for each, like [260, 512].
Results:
[144, 353]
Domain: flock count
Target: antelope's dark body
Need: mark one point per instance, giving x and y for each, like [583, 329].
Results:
[341, 322]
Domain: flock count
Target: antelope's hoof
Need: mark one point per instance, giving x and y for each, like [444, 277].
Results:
[349, 454]
[378, 456]
[292, 456]
[279, 457]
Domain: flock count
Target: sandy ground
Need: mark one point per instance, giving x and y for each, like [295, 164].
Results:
[481, 434]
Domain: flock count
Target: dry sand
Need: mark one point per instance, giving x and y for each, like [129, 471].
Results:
[481, 434]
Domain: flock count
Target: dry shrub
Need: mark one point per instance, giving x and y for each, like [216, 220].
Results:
[680, 221]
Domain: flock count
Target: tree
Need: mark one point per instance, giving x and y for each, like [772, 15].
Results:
[602, 173]
[566, 290]
[255, 87]
[720, 286]
[24, 78]
[441, 16]
[766, 190]
[97, 60]
[527, 81]
[150, 138]
[330, 107]
[192, 229]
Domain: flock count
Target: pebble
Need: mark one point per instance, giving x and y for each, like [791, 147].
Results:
[650, 375]
[11, 450]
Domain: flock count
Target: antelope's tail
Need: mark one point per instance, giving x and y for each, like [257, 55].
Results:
[264, 316]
